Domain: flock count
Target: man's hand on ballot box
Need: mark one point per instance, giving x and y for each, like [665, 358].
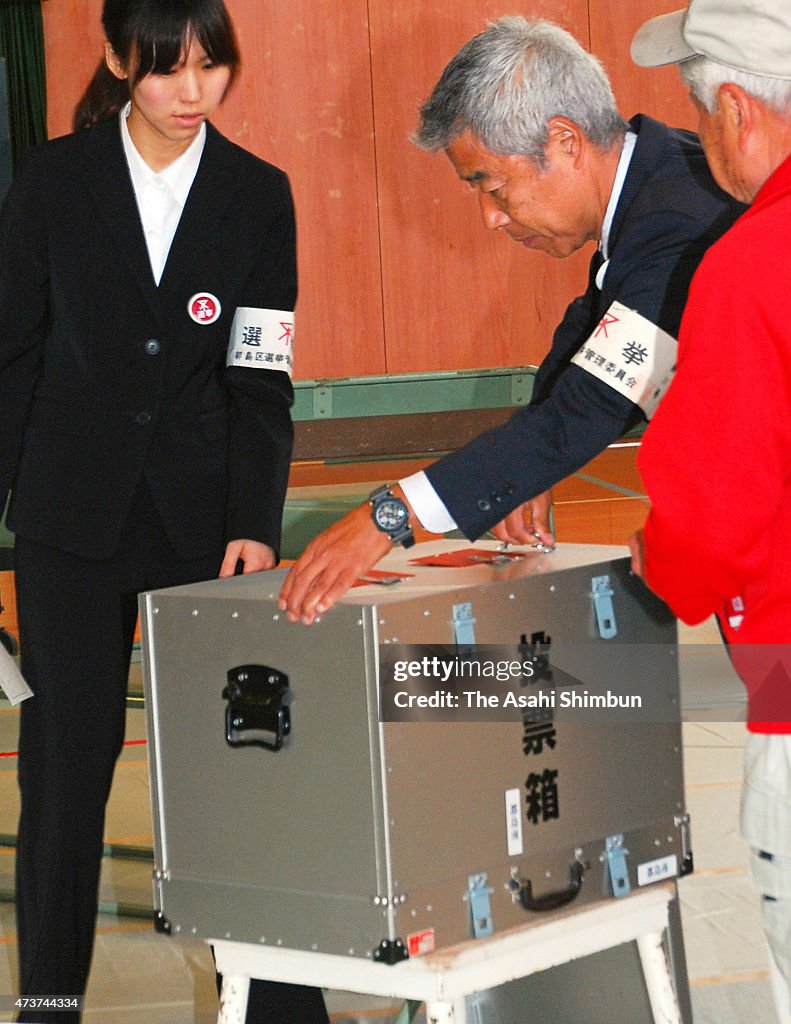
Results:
[331, 564]
[334, 560]
[527, 523]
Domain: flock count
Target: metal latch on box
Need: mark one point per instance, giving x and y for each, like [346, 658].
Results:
[616, 854]
[464, 629]
[258, 713]
[478, 893]
[602, 604]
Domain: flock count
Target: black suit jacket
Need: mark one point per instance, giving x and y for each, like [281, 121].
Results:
[104, 377]
[669, 212]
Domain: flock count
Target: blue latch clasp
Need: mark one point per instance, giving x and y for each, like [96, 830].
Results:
[602, 603]
[478, 893]
[464, 629]
[616, 862]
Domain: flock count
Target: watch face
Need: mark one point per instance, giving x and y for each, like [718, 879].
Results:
[390, 515]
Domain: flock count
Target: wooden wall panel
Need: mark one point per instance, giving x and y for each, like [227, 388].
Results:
[73, 45]
[455, 295]
[304, 102]
[655, 91]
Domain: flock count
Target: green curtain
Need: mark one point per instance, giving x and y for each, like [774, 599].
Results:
[22, 44]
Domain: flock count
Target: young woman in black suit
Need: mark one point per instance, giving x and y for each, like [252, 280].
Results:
[147, 270]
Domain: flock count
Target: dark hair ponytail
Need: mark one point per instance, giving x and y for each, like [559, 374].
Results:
[152, 35]
[105, 96]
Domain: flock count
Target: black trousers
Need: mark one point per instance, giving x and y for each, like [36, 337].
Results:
[77, 619]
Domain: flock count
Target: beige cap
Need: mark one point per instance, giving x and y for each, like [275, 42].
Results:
[748, 35]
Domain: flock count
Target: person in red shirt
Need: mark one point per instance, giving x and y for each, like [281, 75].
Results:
[716, 458]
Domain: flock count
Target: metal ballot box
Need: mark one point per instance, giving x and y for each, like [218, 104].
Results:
[367, 786]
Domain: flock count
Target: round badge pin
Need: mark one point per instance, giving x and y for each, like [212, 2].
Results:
[204, 308]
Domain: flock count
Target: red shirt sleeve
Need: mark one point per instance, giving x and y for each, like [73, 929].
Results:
[715, 457]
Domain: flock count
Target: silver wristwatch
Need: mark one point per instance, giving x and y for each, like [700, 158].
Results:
[391, 516]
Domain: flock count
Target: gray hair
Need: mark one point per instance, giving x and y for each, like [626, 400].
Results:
[704, 77]
[507, 83]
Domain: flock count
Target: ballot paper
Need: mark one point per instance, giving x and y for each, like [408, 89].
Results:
[11, 682]
[468, 556]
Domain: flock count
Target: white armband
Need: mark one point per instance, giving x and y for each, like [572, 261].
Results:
[262, 338]
[630, 354]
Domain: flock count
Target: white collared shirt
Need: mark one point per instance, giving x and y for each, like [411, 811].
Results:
[615, 197]
[427, 505]
[161, 195]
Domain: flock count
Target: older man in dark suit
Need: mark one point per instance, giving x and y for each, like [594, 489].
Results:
[528, 119]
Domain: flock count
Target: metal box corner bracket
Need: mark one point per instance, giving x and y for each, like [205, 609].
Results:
[290, 810]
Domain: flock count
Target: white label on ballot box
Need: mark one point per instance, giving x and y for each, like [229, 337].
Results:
[657, 870]
[11, 682]
[513, 822]
[631, 355]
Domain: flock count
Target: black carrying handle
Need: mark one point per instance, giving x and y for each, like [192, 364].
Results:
[551, 900]
[257, 712]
